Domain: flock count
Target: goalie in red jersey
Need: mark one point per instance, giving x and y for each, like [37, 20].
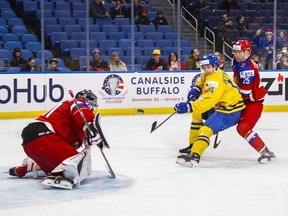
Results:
[247, 77]
[54, 143]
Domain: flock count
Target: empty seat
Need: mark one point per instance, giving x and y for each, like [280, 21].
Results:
[171, 35]
[127, 59]
[72, 28]
[10, 37]
[120, 50]
[148, 51]
[144, 43]
[165, 28]
[3, 30]
[76, 52]
[109, 28]
[164, 43]
[107, 44]
[127, 28]
[15, 21]
[83, 62]
[7, 14]
[57, 37]
[92, 44]
[67, 21]
[137, 51]
[124, 43]
[168, 50]
[62, 14]
[186, 50]
[79, 14]
[47, 54]
[98, 36]
[28, 38]
[50, 21]
[5, 54]
[117, 35]
[154, 35]
[147, 28]
[52, 28]
[61, 5]
[19, 30]
[81, 6]
[137, 35]
[66, 46]
[5, 5]
[11, 45]
[3, 22]
[26, 54]
[33, 46]
[82, 23]
[78, 36]
[104, 21]
[142, 60]
[121, 21]
[92, 28]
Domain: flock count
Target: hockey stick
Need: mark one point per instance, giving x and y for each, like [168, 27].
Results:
[92, 134]
[215, 142]
[154, 125]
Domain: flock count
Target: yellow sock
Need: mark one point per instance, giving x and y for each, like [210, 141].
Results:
[203, 140]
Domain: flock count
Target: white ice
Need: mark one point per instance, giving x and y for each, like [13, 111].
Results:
[228, 181]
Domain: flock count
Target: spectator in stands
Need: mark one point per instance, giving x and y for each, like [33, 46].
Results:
[137, 11]
[17, 60]
[193, 62]
[53, 65]
[118, 11]
[97, 64]
[160, 19]
[241, 23]
[116, 64]
[220, 60]
[30, 65]
[281, 41]
[98, 10]
[257, 60]
[229, 5]
[173, 62]
[156, 63]
[266, 46]
[143, 18]
[222, 27]
[282, 64]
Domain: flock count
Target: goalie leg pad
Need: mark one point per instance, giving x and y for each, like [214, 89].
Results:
[76, 168]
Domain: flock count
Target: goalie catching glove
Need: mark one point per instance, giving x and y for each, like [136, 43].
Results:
[183, 107]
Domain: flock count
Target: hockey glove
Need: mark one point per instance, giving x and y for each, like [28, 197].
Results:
[194, 93]
[183, 107]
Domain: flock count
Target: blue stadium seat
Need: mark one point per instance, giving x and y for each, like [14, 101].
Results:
[98, 36]
[9, 37]
[61, 5]
[143, 60]
[184, 43]
[144, 43]
[33, 46]
[47, 54]
[110, 28]
[121, 21]
[76, 52]
[57, 37]
[83, 62]
[80, 14]
[138, 67]
[124, 43]
[104, 21]
[26, 54]
[137, 35]
[78, 36]
[11, 45]
[187, 50]
[52, 28]
[117, 35]
[120, 50]
[148, 51]
[15, 21]
[168, 50]
[67, 21]
[5, 54]
[171, 35]
[126, 59]
[13, 69]
[19, 30]
[137, 51]
[164, 43]
[165, 28]
[127, 28]
[72, 28]
[63, 69]
[2, 63]
[107, 44]
[3, 30]
[5, 5]
[62, 14]
[50, 21]
[82, 23]
[154, 35]
[49, 6]
[3, 22]
[7, 14]
[147, 28]
[66, 46]
[29, 37]
[81, 6]
[60, 63]
[92, 44]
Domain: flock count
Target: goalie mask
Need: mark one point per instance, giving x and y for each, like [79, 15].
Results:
[89, 97]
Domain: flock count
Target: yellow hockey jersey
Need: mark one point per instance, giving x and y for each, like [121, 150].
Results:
[219, 90]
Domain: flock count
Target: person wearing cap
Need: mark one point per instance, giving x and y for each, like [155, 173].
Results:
[97, 64]
[17, 60]
[156, 63]
[159, 19]
[266, 46]
[53, 65]
[143, 18]
[215, 89]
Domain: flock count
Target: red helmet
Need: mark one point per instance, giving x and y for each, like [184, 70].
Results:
[143, 10]
[242, 45]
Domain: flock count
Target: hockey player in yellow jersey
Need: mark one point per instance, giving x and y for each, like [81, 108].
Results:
[215, 89]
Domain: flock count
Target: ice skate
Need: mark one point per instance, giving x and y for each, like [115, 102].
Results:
[19, 171]
[186, 150]
[58, 182]
[266, 156]
[190, 160]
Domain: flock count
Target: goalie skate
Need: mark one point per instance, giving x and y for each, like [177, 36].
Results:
[266, 156]
[189, 160]
[58, 182]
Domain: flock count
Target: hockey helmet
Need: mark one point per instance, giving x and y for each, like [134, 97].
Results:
[89, 97]
[209, 59]
[242, 45]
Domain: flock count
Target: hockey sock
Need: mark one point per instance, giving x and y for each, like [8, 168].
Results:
[194, 130]
[255, 141]
[202, 141]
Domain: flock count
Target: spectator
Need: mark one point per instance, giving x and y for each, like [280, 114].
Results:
[118, 11]
[282, 64]
[222, 27]
[220, 60]
[17, 60]
[143, 18]
[256, 59]
[53, 65]
[116, 64]
[98, 10]
[241, 23]
[193, 62]
[173, 62]
[266, 46]
[160, 19]
[30, 65]
[137, 11]
[229, 5]
[156, 63]
[97, 64]
[281, 41]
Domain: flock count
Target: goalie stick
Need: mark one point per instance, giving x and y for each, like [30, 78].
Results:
[98, 127]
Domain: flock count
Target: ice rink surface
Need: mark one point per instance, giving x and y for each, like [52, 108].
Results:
[228, 181]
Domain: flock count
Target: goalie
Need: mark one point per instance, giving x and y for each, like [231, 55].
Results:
[58, 143]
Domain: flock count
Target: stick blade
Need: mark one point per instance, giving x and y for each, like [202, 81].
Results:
[153, 126]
